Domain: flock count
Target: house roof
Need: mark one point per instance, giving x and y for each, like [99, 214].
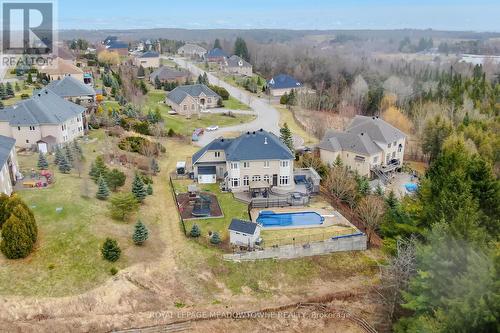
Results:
[70, 87]
[207, 170]
[356, 143]
[257, 145]
[283, 81]
[235, 61]
[216, 53]
[191, 48]
[245, 227]
[60, 67]
[181, 92]
[45, 107]
[117, 45]
[167, 73]
[149, 54]
[6, 145]
[378, 129]
[110, 39]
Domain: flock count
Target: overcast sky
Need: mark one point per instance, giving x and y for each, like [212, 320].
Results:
[476, 15]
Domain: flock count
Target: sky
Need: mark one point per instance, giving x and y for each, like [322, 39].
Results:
[472, 15]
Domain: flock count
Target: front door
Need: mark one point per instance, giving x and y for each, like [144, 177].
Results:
[275, 180]
[220, 172]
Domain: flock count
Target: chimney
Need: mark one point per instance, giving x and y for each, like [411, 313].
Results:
[265, 140]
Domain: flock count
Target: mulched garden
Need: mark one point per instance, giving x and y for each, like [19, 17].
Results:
[187, 203]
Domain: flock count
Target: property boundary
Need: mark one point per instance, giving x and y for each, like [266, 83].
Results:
[172, 188]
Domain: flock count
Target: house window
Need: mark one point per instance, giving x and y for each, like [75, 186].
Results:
[246, 181]
[266, 164]
[400, 148]
[284, 164]
[284, 180]
[256, 178]
[217, 154]
[185, 107]
[375, 159]
[234, 165]
[393, 154]
[32, 128]
[246, 165]
[209, 100]
[235, 182]
[266, 178]
[27, 141]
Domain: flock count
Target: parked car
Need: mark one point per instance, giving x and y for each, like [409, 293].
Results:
[212, 128]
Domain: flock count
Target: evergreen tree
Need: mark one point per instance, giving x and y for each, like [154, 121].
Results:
[122, 205]
[2, 106]
[16, 242]
[17, 87]
[195, 231]
[215, 239]
[115, 179]
[102, 190]
[25, 215]
[68, 154]
[157, 82]
[138, 189]
[42, 163]
[64, 165]
[154, 166]
[98, 168]
[9, 90]
[149, 189]
[77, 149]
[3, 93]
[240, 49]
[110, 250]
[58, 156]
[140, 234]
[29, 79]
[286, 136]
[217, 44]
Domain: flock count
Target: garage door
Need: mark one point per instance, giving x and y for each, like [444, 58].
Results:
[42, 147]
[207, 179]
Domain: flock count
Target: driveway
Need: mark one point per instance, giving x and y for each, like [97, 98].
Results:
[267, 116]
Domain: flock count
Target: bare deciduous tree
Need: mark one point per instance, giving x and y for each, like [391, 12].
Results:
[371, 210]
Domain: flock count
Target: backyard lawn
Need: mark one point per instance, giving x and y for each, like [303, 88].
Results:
[180, 124]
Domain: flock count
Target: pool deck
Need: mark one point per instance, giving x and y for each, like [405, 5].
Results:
[332, 217]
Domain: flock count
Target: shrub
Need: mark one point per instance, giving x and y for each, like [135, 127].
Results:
[110, 250]
[170, 132]
[24, 214]
[115, 179]
[113, 270]
[222, 92]
[142, 127]
[195, 231]
[140, 234]
[64, 165]
[16, 242]
[122, 205]
[137, 144]
[215, 239]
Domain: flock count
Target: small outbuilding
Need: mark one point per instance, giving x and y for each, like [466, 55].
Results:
[244, 233]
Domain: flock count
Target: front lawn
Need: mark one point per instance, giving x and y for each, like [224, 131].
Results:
[180, 124]
[234, 104]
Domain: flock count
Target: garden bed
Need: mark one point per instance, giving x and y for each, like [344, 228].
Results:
[187, 206]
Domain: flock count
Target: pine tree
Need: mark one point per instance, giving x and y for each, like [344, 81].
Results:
[110, 250]
[64, 165]
[98, 168]
[286, 136]
[102, 190]
[138, 189]
[240, 49]
[42, 162]
[217, 44]
[9, 90]
[77, 148]
[25, 215]
[140, 72]
[17, 87]
[123, 204]
[195, 231]
[215, 239]
[58, 156]
[68, 154]
[154, 166]
[140, 234]
[29, 79]
[149, 189]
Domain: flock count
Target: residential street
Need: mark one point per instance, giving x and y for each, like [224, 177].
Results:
[267, 116]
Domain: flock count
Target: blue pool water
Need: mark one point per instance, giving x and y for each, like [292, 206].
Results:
[269, 218]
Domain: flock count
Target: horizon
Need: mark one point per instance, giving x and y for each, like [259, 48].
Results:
[319, 15]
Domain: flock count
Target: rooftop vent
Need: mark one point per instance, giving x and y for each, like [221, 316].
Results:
[265, 140]
[248, 133]
[253, 132]
[261, 130]
[362, 133]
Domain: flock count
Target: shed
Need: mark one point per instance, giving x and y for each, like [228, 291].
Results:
[244, 233]
[207, 174]
[180, 167]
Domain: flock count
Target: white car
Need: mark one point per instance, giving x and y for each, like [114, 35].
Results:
[212, 128]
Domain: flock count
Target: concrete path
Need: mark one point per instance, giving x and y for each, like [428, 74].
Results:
[267, 116]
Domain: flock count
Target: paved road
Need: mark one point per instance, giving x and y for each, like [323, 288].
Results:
[267, 116]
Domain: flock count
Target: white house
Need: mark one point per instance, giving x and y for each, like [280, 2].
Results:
[244, 233]
[45, 117]
[8, 164]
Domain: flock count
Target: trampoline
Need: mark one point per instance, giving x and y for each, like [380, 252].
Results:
[202, 206]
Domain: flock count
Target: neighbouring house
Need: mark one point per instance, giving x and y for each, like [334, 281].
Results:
[148, 59]
[237, 65]
[117, 46]
[282, 84]
[168, 74]
[244, 233]
[191, 50]
[61, 68]
[77, 92]
[191, 99]
[254, 161]
[110, 39]
[67, 55]
[40, 117]
[369, 145]
[216, 55]
[8, 164]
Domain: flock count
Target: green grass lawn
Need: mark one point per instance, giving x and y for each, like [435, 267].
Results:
[234, 104]
[17, 98]
[231, 208]
[184, 126]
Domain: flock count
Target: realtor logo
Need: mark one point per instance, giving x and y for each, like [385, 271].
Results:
[28, 28]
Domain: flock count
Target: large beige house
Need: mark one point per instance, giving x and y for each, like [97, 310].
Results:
[252, 161]
[60, 68]
[8, 163]
[191, 50]
[148, 59]
[237, 65]
[191, 99]
[369, 146]
[42, 121]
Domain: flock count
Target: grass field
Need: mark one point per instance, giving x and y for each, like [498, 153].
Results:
[286, 116]
[182, 125]
[234, 104]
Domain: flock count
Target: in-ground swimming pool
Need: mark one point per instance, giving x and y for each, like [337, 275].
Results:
[269, 218]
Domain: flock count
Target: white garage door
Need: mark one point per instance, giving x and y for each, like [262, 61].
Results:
[207, 179]
[42, 147]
